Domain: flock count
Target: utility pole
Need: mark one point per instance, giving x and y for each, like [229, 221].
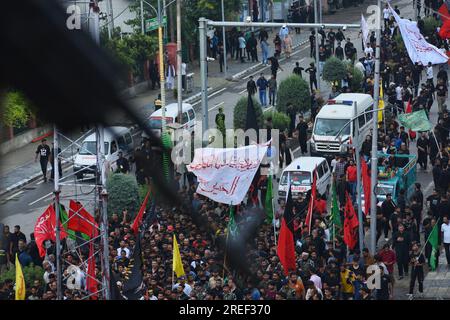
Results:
[57, 217]
[165, 15]
[374, 158]
[111, 16]
[224, 42]
[358, 179]
[317, 44]
[94, 22]
[161, 70]
[179, 57]
[142, 17]
[203, 73]
[320, 11]
[108, 19]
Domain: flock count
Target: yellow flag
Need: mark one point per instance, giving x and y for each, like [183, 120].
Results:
[20, 281]
[177, 264]
[380, 104]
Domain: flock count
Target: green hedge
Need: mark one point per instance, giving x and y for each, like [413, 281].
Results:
[240, 113]
[293, 90]
[334, 70]
[123, 193]
[30, 273]
[357, 79]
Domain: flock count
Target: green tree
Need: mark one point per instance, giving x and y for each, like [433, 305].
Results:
[280, 120]
[30, 273]
[240, 113]
[430, 25]
[334, 70]
[293, 90]
[123, 193]
[15, 109]
[356, 80]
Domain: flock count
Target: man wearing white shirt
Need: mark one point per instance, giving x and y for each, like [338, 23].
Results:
[399, 96]
[122, 247]
[386, 15]
[284, 31]
[368, 51]
[315, 279]
[445, 229]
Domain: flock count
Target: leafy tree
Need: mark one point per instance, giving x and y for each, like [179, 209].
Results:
[240, 113]
[123, 193]
[293, 90]
[15, 109]
[430, 25]
[334, 70]
[280, 120]
[30, 273]
[357, 79]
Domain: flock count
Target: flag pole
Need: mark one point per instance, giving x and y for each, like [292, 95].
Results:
[226, 244]
[273, 210]
[437, 144]
[429, 236]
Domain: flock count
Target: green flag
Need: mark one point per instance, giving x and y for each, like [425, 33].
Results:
[232, 227]
[269, 198]
[434, 242]
[335, 215]
[416, 121]
[64, 219]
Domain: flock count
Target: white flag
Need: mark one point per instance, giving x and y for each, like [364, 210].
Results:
[419, 50]
[364, 29]
[225, 175]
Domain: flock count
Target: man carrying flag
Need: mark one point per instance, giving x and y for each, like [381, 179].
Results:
[350, 224]
[286, 246]
[434, 242]
[177, 264]
[20, 281]
[381, 104]
[308, 221]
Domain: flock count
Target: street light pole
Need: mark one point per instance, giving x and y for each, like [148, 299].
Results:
[374, 157]
[203, 72]
[224, 42]
[161, 71]
[179, 57]
[142, 17]
[317, 44]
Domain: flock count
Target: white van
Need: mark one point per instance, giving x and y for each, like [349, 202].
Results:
[188, 120]
[116, 138]
[300, 172]
[334, 117]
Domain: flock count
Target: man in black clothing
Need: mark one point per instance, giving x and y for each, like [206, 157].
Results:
[348, 49]
[418, 196]
[332, 38]
[423, 146]
[298, 70]
[312, 70]
[52, 162]
[14, 242]
[302, 128]
[251, 86]
[263, 34]
[387, 209]
[43, 151]
[384, 292]
[434, 200]
[122, 164]
[312, 44]
[401, 241]
[274, 66]
[417, 261]
[339, 51]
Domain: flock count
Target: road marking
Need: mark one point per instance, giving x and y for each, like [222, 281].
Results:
[265, 110]
[14, 195]
[41, 198]
[211, 95]
[217, 105]
[40, 182]
[428, 187]
[243, 91]
[295, 150]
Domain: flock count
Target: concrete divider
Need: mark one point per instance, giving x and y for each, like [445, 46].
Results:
[23, 139]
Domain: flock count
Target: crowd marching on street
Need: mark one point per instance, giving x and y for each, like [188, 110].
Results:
[324, 265]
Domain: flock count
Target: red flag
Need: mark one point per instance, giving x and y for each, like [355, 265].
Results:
[138, 220]
[412, 134]
[350, 224]
[366, 186]
[91, 283]
[308, 221]
[445, 15]
[286, 246]
[45, 229]
[80, 220]
[286, 249]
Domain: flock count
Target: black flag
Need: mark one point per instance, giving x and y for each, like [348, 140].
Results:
[133, 285]
[251, 121]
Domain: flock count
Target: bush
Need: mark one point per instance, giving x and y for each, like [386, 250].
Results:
[357, 79]
[240, 113]
[430, 26]
[123, 193]
[334, 70]
[30, 273]
[280, 120]
[293, 90]
[15, 109]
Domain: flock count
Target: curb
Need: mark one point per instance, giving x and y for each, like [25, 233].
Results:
[26, 181]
